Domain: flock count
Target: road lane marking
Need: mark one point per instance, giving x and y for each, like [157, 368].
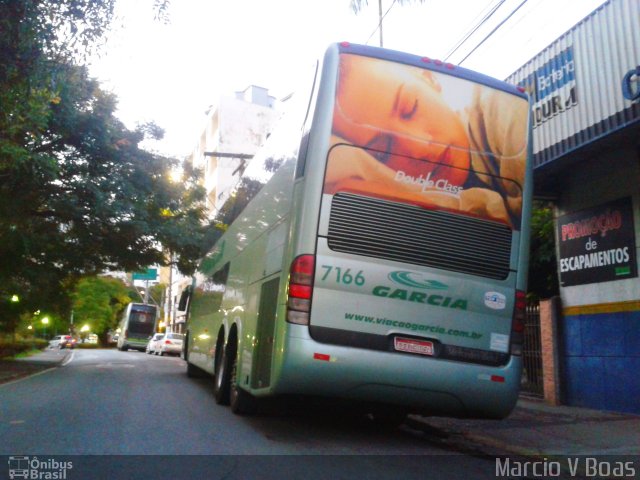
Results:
[26, 377]
[115, 364]
[68, 360]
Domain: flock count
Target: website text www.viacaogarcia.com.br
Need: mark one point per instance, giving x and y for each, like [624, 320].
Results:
[414, 327]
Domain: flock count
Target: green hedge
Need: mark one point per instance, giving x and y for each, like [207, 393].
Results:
[10, 348]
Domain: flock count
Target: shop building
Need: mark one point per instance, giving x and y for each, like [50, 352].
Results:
[585, 101]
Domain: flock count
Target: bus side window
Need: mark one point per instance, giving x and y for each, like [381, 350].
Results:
[306, 122]
[217, 284]
[302, 155]
[219, 278]
[185, 296]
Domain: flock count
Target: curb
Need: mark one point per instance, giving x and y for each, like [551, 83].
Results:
[460, 441]
[469, 443]
[15, 370]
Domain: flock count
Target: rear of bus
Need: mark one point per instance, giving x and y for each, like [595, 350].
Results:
[412, 292]
[138, 325]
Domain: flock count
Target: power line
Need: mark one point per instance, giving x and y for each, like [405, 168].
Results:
[492, 32]
[380, 22]
[513, 25]
[473, 30]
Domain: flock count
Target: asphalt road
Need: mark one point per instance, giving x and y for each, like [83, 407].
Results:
[106, 402]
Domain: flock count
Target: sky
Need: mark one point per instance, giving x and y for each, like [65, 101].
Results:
[171, 73]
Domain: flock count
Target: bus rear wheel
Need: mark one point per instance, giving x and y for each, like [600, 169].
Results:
[241, 401]
[221, 379]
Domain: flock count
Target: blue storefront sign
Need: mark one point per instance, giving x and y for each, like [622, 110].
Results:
[552, 87]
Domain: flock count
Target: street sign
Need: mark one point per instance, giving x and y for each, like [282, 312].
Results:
[150, 274]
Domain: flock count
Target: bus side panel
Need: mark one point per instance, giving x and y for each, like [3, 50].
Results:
[122, 326]
[205, 317]
[264, 339]
[254, 245]
[262, 260]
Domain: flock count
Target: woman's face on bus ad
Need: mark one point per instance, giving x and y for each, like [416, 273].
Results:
[400, 110]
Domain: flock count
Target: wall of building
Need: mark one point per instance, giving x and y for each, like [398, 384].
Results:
[585, 108]
[243, 128]
[578, 84]
[237, 124]
[600, 325]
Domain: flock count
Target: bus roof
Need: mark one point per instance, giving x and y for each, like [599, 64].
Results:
[431, 64]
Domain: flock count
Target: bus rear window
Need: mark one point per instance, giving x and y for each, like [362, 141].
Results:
[142, 317]
[141, 327]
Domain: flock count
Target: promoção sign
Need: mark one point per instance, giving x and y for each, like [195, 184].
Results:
[597, 244]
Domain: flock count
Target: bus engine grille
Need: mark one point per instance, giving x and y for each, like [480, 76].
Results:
[406, 233]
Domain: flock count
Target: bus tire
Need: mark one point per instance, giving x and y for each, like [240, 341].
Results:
[222, 376]
[241, 401]
[184, 354]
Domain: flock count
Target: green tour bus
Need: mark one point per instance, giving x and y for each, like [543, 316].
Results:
[376, 247]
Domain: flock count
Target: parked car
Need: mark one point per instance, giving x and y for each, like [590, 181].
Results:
[171, 343]
[153, 342]
[62, 341]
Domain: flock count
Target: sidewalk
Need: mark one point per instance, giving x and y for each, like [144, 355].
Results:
[11, 370]
[535, 429]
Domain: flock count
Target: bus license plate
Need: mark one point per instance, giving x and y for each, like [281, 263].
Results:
[410, 345]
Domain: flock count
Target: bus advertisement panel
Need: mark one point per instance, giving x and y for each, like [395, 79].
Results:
[428, 138]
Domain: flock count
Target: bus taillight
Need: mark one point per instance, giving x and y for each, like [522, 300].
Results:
[300, 289]
[517, 324]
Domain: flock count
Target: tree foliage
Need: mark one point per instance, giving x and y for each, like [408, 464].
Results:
[77, 193]
[543, 270]
[97, 302]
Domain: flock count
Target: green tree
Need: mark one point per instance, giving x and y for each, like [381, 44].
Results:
[97, 302]
[543, 270]
[77, 194]
[357, 5]
[87, 198]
